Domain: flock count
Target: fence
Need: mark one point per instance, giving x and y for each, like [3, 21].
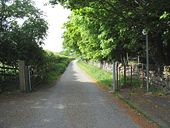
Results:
[23, 77]
[13, 78]
[135, 75]
[160, 80]
[37, 75]
[9, 78]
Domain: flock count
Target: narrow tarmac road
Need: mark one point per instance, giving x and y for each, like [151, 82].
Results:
[74, 102]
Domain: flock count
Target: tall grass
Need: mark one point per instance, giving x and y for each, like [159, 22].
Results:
[101, 76]
[57, 69]
[105, 78]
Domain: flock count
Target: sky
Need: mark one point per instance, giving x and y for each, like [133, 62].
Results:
[55, 17]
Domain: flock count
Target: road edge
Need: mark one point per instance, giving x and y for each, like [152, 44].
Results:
[137, 115]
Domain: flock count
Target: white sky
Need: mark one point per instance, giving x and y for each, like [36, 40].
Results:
[55, 17]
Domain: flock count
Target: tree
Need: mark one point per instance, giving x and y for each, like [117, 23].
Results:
[22, 30]
[114, 28]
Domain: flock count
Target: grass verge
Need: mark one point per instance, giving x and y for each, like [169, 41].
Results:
[102, 77]
[54, 73]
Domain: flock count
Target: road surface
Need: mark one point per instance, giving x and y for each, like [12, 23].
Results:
[74, 102]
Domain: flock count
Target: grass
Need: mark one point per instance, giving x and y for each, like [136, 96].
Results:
[55, 71]
[49, 76]
[135, 81]
[105, 78]
[101, 76]
[159, 91]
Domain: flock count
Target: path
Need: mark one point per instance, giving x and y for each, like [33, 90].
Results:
[75, 102]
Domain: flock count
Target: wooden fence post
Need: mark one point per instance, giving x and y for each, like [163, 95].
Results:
[124, 75]
[23, 76]
[143, 77]
[114, 74]
[131, 74]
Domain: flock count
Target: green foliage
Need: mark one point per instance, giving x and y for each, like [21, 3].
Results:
[53, 66]
[80, 40]
[98, 74]
[45, 72]
[134, 81]
[22, 29]
[108, 29]
[105, 78]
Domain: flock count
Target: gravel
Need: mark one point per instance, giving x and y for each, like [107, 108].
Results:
[74, 102]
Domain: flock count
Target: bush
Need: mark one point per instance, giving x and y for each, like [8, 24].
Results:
[51, 67]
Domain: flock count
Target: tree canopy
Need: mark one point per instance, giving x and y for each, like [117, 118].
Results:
[108, 29]
[22, 30]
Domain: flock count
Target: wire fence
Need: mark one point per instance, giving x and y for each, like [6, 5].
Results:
[135, 75]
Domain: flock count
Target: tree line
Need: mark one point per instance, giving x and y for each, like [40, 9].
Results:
[109, 29]
[22, 31]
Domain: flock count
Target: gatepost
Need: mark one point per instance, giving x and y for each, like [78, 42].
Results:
[114, 76]
[23, 76]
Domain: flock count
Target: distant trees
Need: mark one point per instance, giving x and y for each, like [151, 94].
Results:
[108, 29]
[22, 30]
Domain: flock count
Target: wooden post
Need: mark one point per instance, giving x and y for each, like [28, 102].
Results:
[119, 78]
[26, 79]
[124, 75]
[131, 73]
[22, 76]
[114, 69]
[127, 55]
[142, 76]
[116, 76]
[138, 60]
[29, 79]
